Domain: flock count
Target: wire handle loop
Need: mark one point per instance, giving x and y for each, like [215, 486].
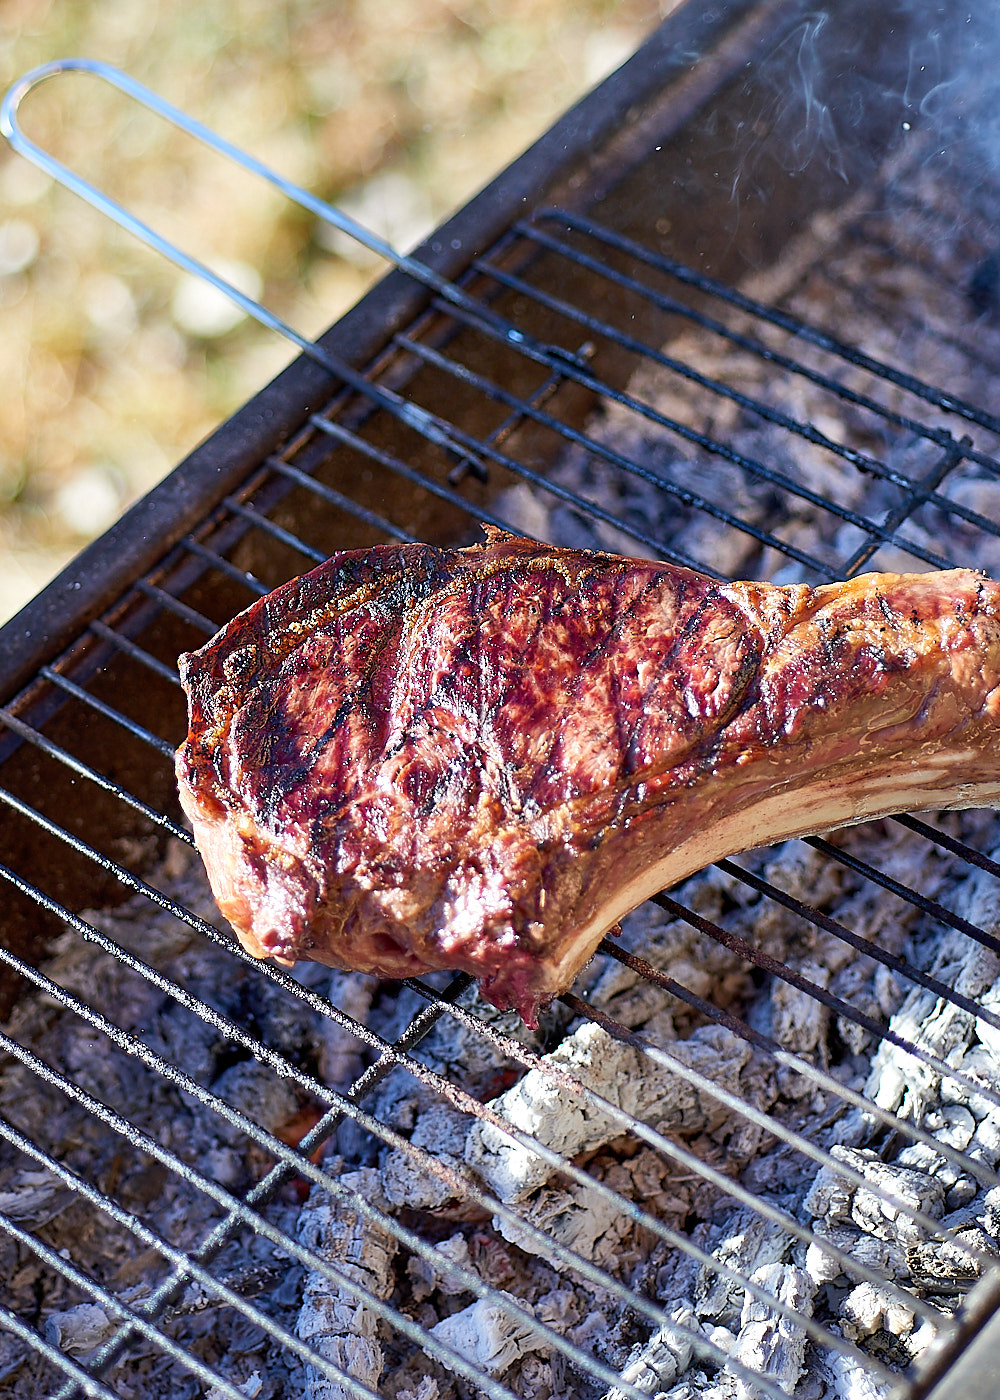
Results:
[424, 422]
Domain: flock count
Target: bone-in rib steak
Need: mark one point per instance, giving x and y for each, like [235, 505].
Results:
[480, 759]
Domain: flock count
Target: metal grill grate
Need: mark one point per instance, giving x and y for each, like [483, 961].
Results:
[453, 425]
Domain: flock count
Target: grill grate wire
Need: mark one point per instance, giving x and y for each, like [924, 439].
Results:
[426, 348]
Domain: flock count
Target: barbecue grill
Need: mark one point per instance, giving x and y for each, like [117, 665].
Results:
[714, 316]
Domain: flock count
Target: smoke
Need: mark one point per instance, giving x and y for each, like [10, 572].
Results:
[817, 136]
[850, 81]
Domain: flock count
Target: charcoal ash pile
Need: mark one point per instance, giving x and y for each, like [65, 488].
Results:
[705, 1308]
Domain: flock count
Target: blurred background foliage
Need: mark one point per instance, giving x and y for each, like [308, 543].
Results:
[112, 364]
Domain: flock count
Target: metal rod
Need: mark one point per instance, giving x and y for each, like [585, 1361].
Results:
[949, 843]
[302, 1165]
[296, 1159]
[196, 1271]
[600, 449]
[425, 423]
[897, 962]
[913, 897]
[58, 1263]
[277, 532]
[798, 1064]
[757, 958]
[80, 1378]
[61, 755]
[179, 609]
[574, 1086]
[337, 498]
[137, 653]
[92, 702]
[224, 566]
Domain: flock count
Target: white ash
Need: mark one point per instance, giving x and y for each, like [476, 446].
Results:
[332, 1319]
[163, 1201]
[875, 1211]
[868, 1307]
[488, 1336]
[425, 1276]
[770, 1343]
[577, 1216]
[81, 1330]
[749, 1243]
[251, 1388]
[540, 1105]
[851, 1381]
[443, 1132]
[656, 1364]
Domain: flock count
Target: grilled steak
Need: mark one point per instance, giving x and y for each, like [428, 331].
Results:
[480, 759]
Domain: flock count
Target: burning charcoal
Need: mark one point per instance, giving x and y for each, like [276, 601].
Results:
[426, 1389]
[957, 1126]
[251, 1387]
[79, 1330]
[487, 1336]
[656, 1364]
[851, 1381]
[768, 1342]
[834, 1198]
[442, 1132]
[458, 1050]
[820, 1264]
[798, 1020]
[340, 1052]
[905, 1086]
[676, 949]
[257, 1092]
[541, 1106]
[579, 1217]
[949, 1266]
[459, 1053]
[696, 1389]
[874, 1210]
[985, 1144]
[747, 1242]
[887, 1256]
[869, 1308]
[425, 1278]
[953, 1126]
[334, 1320]
[36, 1198]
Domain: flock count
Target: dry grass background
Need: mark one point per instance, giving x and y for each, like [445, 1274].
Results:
[112, 365]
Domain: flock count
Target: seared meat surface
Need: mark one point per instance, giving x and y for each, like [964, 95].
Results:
[481, 759]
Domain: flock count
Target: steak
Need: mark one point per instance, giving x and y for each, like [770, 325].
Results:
[480, 759]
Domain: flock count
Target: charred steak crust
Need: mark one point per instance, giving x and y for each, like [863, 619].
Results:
[480, 759]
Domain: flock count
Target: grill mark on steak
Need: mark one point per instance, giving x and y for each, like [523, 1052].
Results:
[620, 715]
[480, 759]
